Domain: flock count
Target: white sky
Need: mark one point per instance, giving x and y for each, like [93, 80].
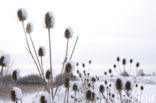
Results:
[107, 29]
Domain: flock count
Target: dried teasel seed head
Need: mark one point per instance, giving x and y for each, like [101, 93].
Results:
[29, 28]
[118, 59]
[66, 82]
[113, 95]
[83, 65]
[69, 67]
[22, 14]
[141, 88]
[131, 61]
[68, 33]
[43, 99]
[114, 66]
[49, 20]
[105, 73]
[41, 51]
[88, 94]
[93, 79]
[77, 71]
[77, 64]
[89, 85]
[137, 64]
[105, 82]
[128, 86]
[136, 85]
[15, 75]
[119, 84]
[101, 89]
[13, 95]
[48, 74]
[90, 61]
[110, 71]
[75, 87]
[124, 61]
[5, 60]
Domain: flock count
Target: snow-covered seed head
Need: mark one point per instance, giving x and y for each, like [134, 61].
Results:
[75, 87]
[137, 64]
[43, 99]
[83, 65]
[66, 82]
[69, 67]
[16, 94]
[88, 94]
[118, 59]
[49, 20]
[131, 61]
[110, 71]
[5, 60]
[68, 33]
[93, 79]
[141, 88]
[22, 14]
[105, 82]
[15, 75]
[77, 64]
[136, 85]
[90, 61]
[105, 73]
[48, 74]
[128, 86]
[41, 51]
[124, 61]
[119, 84]
[114, 66]
[101, 89]
[113, 95]
[29, 28]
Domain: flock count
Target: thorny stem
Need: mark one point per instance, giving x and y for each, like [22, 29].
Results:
[30, 49]
[50, 58]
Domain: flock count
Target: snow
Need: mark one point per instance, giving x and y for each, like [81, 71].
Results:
[18, 92]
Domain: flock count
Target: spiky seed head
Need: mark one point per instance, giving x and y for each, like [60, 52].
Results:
[89, 85]
[101, 89]
[110, 71]
[88, 94]
[88, 74]
[41, 51]
[80, 75]
[49, 20]
[114, 66]
[113, 95]
[29, 28]
[77, 64]
[93, 79]
[5, 60]
[110, 85]
[78, 71]
[105, 82]
[118, 59]
[48, 74]
[43, 99]
[124, 61]
[83, 65]
[105, 73]
[75, 87]
[13, 95]
[128, 86]
[137, 64]
[131, 61]
[22, 14]
[15, 75]
[141, 88]
[69, 67]
[136, 85]
[90, 61]
[119, 84]
[66, 82]
[68, 33]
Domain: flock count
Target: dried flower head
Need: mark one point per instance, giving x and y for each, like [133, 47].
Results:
[141, 88]
[22, 14]
[110, 71]
[5, 60]
[90, 61]
[101, 89]
[83, 65]
[69, 67]
[128, 86]
[48, 74]
[75, 87]
[124, 61]
[42, 99]
[13, 96]
[66, 82]
[137, 64]
[118, 59]
[16, 94]
[15, 75]
[49, 20]
[131, 61]
[29, 28]
[114, 66]
[41, 51]
[119, 84]
[88, 94]
[68, 33]
[77, 64]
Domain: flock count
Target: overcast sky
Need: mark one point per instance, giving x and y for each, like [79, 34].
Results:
[107, 29]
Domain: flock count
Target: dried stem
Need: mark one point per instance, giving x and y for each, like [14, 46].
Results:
[1, 73]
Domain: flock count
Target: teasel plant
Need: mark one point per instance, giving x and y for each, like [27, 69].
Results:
[49, 21]
[15, 75]
[75, 89]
